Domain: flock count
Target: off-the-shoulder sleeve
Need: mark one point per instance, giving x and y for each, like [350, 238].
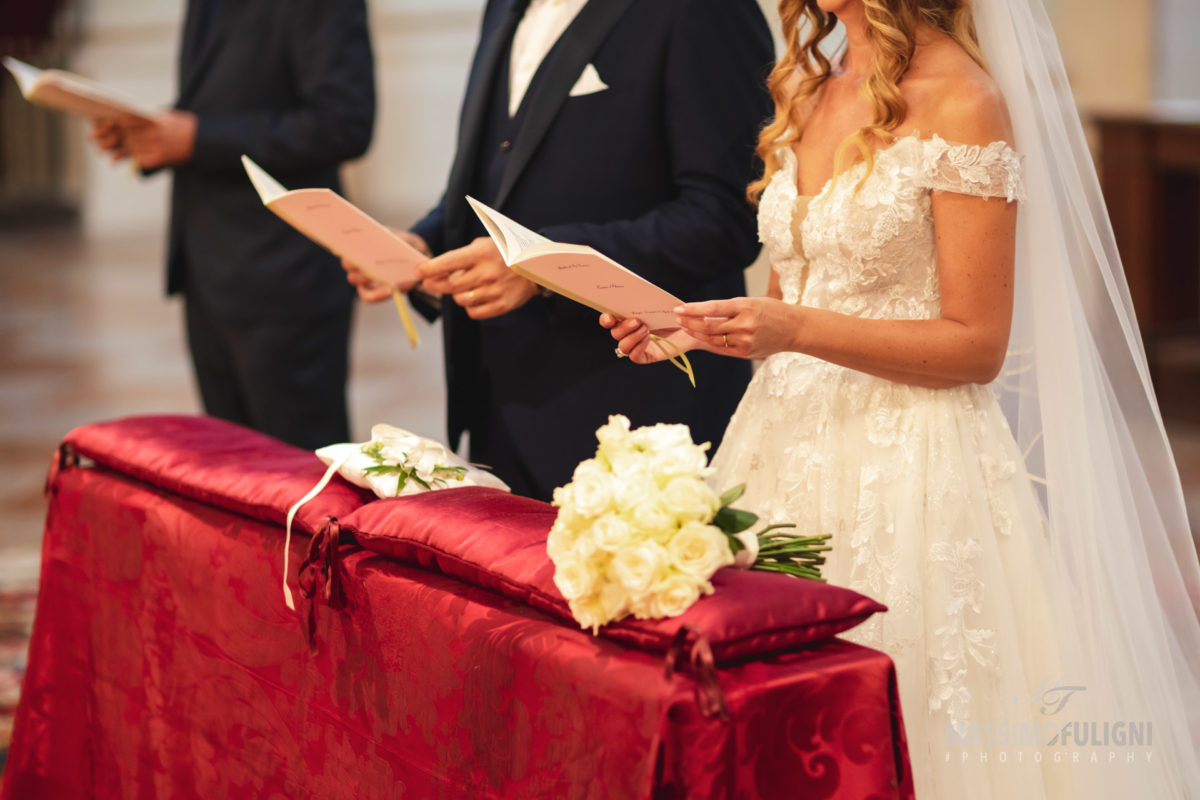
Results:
[991, 171]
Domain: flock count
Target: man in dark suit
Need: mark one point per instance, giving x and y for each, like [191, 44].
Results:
[630, 127]
[268, 312]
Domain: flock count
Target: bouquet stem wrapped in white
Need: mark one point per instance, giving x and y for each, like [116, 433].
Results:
[640, 532]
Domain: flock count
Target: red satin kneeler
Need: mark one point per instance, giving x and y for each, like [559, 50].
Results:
[164, 664]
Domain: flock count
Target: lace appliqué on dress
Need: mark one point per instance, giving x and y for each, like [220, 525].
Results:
[990, 171]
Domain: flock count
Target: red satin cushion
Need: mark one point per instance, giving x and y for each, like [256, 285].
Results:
[218, 463]
[484, 537]
[497, 541]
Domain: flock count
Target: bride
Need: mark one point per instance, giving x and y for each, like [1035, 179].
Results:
[955, 389]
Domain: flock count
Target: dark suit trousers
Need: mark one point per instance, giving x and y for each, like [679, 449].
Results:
[284, 378]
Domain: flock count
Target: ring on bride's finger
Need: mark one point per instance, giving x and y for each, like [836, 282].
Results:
[725, 338]
[619, 352]
[471, 297]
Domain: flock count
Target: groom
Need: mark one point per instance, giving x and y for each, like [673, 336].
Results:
[627, 125]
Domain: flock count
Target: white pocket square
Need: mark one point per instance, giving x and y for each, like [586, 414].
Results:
[589, 82]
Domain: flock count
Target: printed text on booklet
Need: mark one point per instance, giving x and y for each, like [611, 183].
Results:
[579, 272]
[340, 227]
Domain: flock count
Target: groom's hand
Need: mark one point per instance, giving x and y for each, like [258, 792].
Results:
[477, 278]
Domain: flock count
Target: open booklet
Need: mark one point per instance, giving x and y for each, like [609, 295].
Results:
[587, 276]
[66, 91]
[345, 230]
[579, 272]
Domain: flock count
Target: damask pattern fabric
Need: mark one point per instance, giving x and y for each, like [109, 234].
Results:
[164, 664]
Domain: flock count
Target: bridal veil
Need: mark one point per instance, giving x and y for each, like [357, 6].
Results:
[1077, 392]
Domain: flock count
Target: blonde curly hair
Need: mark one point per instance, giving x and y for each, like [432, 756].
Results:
[891, 30]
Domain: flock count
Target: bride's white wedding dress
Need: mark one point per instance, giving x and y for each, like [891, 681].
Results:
[924, 490]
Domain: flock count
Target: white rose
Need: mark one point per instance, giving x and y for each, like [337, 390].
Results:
[610, 531]
[633, 484]
[628, 461]
[652, 521]
[690, 498]
[637, 566]
[591, 489]
[560, 540]
[614, 438]
[613, 601]
[568, 516]
[672, 596]
[585, 549]
[573, 577]
[699, 550]
[661, 437]
[687, 459]
[588, 612]
[588, 469]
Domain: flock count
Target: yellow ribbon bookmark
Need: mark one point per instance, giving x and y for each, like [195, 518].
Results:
[679, 359]
[410, 329]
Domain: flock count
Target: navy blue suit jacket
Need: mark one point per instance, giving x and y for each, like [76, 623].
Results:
[652, 172]
[291, 85]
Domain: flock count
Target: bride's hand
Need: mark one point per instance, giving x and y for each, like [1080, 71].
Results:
[746, 327]
[633, 339]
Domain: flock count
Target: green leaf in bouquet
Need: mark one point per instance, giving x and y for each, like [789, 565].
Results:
[731, 495]
[732, 520]
[799, 556]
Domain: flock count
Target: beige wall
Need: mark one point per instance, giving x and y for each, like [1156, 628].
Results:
[1108, 47]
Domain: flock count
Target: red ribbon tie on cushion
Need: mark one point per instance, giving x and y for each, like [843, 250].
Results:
[322, 570]
[702, 666]
[65, 457]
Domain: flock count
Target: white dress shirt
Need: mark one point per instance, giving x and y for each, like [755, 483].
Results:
[543, 23]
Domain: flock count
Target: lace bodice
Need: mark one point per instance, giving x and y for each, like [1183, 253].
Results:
[872, 253]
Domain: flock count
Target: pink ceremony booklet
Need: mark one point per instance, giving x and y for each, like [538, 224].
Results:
[579, 272]
[340, 227]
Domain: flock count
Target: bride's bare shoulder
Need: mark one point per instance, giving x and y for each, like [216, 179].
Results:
[950, 95]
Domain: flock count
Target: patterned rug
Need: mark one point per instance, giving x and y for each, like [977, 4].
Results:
[18, 593]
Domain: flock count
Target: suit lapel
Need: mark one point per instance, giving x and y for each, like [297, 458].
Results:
[196, 55]
[493, 47]
[561, 69]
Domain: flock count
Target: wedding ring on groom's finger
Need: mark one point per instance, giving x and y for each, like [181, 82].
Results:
[471, 297]
[725, 339]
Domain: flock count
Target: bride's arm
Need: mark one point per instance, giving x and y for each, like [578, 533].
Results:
[967, 344]
[975, 244]
[975, 240]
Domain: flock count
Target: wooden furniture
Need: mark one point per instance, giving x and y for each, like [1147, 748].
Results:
[1149, 164]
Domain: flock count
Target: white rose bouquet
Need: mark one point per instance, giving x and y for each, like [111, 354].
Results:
[640, 532]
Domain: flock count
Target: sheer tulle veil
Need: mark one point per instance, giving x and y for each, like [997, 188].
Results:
[1077, 393]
